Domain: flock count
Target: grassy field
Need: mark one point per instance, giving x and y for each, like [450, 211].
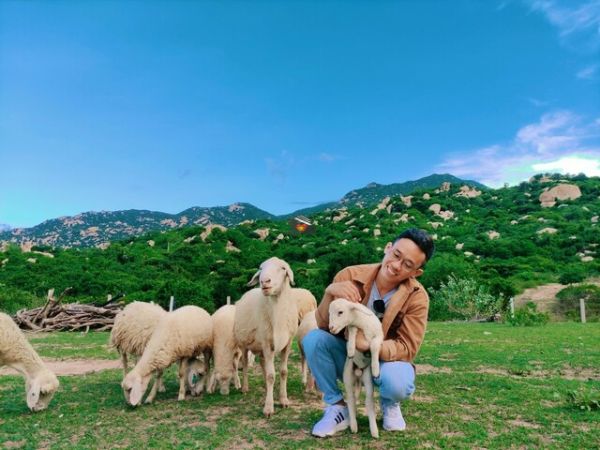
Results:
[478, 386]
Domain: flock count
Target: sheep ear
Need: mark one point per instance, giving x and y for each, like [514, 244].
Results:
[289, 272]
[254, 280]
[33, 394]
[135, 397]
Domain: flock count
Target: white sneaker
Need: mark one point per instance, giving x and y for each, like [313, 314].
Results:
[334, 420]
[392, 417]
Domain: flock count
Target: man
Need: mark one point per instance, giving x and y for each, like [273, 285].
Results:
[391, 290]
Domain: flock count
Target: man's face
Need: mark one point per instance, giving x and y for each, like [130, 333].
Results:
[402, 260]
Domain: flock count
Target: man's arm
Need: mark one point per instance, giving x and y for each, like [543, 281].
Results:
[409, 336]
[341, 287]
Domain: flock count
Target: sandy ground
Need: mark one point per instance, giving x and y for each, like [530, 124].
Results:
[73, 366]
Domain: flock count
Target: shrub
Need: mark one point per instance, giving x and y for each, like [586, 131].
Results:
[528, 316]
[568, 302]
[464, 299]
[585, 398]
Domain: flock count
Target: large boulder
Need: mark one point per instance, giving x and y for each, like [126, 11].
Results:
[559, 192]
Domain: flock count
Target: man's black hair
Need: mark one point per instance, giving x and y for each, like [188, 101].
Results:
[420, 237]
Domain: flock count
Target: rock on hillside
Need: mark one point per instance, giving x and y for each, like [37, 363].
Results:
[560, 192]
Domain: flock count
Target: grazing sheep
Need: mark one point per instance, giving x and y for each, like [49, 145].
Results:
[266, 321]
[308, 323]
[17, 352]
[344, 313]
[226, 354]
[305, 301]
[132, 330]
[180, 335]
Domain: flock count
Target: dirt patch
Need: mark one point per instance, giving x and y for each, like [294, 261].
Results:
[422, 398]
[579, 374]
[15, 444]
[523, 423]
[73, 366]
[545, 296]
[425, 369]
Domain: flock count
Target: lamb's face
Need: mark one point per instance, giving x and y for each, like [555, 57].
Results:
[40, 391]
[273, 275]
[134, 386]
[339, 315]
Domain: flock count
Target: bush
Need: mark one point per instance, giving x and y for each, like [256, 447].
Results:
[463, 299]
[528, 316]
[568, 302]
[585, 398]
[12, 300]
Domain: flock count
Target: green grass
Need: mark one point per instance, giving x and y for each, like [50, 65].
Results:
[480, 385]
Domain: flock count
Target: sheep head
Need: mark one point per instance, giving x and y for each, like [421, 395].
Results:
[273, 275]
[40, 390]
[196, 375]
[340, 314]
[134, 386]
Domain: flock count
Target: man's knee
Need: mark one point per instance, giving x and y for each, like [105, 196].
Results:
[397, 381]
[313, 341]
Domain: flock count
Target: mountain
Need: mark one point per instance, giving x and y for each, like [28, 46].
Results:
[538, 232]
[4, 227]
[90, 229]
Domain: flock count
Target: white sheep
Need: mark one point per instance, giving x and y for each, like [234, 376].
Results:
[226, 354]
[17, 352]
[305, 301]
[132, 330]
[266, 321]
[309, 322]
[180, 335]
[344, 313]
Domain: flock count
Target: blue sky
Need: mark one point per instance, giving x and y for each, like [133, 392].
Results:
[168, 105]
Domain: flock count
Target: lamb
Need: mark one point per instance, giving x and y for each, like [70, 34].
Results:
[309, 322]
[225, 353]
[266, 321]
[344, 313]
[17, 352]
[180, 335]
[132, 330]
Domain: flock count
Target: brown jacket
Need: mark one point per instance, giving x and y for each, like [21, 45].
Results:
[405, 316]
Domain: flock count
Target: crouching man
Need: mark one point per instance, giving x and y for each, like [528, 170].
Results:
[391, 290]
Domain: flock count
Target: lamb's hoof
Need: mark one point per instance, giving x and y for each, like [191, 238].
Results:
[245, 390]
[162, 388]
[285, 403]
[375, 434]
[375, 375]
[354, 428]
[181, 397]
[268, 411]
[148, 401]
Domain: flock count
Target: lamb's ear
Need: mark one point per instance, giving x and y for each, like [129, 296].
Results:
[289, 272]
[254, 280]
[33, 394]
[135, 396]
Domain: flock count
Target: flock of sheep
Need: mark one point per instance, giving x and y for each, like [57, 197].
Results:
[263, 322]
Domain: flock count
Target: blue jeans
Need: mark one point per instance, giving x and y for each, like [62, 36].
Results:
[326, 356]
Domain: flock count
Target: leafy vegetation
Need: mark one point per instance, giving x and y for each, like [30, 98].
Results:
[568, 302]
[528, 316]
[206, 271]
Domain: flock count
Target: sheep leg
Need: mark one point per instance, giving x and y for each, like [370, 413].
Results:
[152, 394]
[283, 375]
[349, 382]
[351, 344]
[367, 382]
[212, 381]
[245, 371]
[160, 381]
[236, 377]
[183, 368]
[124, 362]
[268, 363]
[374, 347]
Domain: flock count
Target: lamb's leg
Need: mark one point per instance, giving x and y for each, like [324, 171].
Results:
[161, 383]
[268, 363]
[351, 344]
[152, 394]
[124, 362]
[245, 370]
[236, 363]
[367, 381]
[283, 375]
[183, 369]
[349, 381]
[375, 347]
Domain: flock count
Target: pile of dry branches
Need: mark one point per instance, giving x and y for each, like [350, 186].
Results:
[54, 316]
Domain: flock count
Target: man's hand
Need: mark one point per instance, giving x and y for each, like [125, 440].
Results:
[362, 345]
[344, 289]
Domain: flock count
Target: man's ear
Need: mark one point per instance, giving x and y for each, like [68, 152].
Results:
[418, 273]
[388, 246]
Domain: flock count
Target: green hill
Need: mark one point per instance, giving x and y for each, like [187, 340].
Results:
[503, 238]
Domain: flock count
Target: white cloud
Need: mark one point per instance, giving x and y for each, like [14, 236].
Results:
[559, 141]
[326, 157]
[573, 19]
[279, 167]
[587, 73]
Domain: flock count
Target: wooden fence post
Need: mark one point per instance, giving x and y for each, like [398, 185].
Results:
[171, 303]
[512, 307]
[229, 300]
[582, 309]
